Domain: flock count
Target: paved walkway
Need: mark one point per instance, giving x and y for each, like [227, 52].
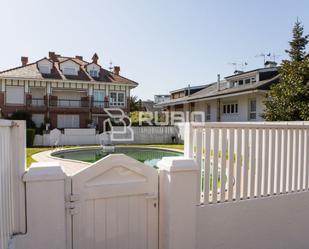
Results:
[70, 167]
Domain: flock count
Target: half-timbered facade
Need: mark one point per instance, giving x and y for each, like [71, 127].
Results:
[66, 92]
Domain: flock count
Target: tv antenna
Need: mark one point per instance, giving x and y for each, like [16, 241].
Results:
[237, 66]
[264, 55]
[274, 57]
[110, 65]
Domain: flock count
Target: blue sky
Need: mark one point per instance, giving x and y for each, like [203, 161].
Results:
[163, 45]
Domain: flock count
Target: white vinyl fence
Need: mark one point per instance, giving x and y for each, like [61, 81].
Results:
[12, 167]
[253, 181]
[241, 161]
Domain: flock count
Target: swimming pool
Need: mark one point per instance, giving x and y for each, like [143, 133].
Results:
[149, 156]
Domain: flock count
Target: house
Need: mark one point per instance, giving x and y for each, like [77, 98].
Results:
[67, 92]
[239, 97]
[161, 98]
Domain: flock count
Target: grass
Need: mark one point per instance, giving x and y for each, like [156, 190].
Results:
[32, 151]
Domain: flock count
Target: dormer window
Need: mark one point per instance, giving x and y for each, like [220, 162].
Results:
[93, 73]
[45, 66]
[69, 71]
[44, 69]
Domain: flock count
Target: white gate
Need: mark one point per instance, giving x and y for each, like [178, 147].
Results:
[114, 205]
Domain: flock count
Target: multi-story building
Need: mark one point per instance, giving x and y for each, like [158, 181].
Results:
[67, 92]
[239, 97]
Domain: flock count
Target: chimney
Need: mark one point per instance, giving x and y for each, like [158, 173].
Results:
[269, 64]
[53, 56]
[218, 82]
[79, 57]
[189, 90]
[116, 70]
[24, 61]
[95, 58]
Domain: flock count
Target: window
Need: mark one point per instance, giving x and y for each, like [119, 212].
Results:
[44, 69]
[67, 121]
[253, 80]
[93, 73]
[208, 112]
[230, 108]
[247, 81]
[117, 99]
[15, 95]
[98, 98]
[240, 82]
[69, 71]
[252, 109]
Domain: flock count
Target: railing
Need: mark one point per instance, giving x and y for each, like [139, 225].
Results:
[12, 167]
[37, 102]
[100, 104]
[241, 161]
[68, 103]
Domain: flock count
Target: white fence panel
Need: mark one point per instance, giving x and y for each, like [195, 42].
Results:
[240, 161]
[12, 167]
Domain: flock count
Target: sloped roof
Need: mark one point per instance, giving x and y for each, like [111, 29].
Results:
[211, 91]
[31, 71]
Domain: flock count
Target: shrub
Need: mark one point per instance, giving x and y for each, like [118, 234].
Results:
[30, 137]
[23, 115]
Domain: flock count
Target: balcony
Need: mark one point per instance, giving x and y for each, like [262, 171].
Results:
[69, 103]
[35, 102]
[100, 104]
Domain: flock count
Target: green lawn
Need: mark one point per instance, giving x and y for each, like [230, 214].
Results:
[32, 151]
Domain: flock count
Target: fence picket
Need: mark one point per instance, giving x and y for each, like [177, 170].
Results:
[271, 176]
[223, 164]
[252, 162]
[259, 165]
[198, 135]
[295, 160]
[231, 165]
[245, 164]
[278, 165]
[238, 163]
[306, 158]
[265, 161]
[207, 179]
[215, 166]
[301, 160]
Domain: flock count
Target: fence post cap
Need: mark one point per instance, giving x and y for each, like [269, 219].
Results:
[44, 171]
[177, 164]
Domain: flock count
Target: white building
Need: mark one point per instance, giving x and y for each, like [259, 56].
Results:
[239, 97]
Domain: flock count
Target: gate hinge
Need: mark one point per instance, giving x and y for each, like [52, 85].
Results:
[70, 205]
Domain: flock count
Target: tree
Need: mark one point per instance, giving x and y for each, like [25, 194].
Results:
[297, 51]
[289, 99]
[23, 115]
[135, 104]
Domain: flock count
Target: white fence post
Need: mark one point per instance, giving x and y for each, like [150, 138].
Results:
[188, 140]
[178, 187]
[46, 216]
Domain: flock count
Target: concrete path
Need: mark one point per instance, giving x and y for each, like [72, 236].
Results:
[70, 167]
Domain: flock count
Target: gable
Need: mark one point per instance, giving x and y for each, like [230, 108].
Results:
[69, 67]
[45, 66]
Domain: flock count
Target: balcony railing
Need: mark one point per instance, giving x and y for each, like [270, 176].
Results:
[100, 104]
[68, 103]
[36, 102]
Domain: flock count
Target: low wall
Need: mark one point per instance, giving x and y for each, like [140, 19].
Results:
[273, 222]
[142, 135]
